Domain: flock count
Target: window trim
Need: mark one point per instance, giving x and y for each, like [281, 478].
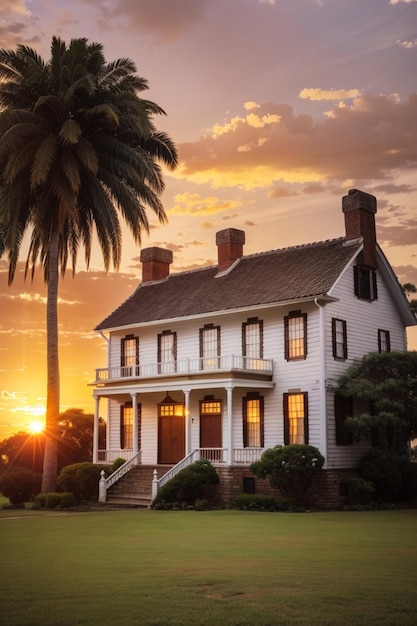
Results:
[253, 395]
[294, 315]
[253, 321]
[123, 356]
[129, 405]
[162, 365]
[343, 408]
[358, 272]
[203, 358]
[335, 344]
[286, 397]
[384, 333]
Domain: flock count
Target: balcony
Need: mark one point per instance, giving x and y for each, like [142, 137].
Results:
[222, 365]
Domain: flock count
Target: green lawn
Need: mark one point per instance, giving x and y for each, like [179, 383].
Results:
[219, 567]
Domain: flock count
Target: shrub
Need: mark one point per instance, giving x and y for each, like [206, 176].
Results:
[40, 500]
[394, 479]
[201, 504]
[17, 485]
[359, 490]
[67, 500]
[189, 484]
[52, 500]
[81, 479]
[255, 502]
[290, 469]
[116, 464]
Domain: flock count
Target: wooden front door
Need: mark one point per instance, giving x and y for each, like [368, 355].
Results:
[171, 436]
[211, 427]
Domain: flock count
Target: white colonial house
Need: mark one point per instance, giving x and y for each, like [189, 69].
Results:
[226, 361]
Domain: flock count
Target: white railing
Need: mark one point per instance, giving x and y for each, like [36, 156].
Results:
[109, 456]
[106, 483]
[246, 456]
[214, 455]
[186, 366]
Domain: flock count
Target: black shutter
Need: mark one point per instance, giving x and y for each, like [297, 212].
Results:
[374, 287]
[306, 418]
[286, 421]
[356, 280]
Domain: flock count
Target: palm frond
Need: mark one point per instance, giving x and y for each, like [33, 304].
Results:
[70, 132]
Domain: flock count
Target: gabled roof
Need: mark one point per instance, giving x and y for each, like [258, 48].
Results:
[289, 274]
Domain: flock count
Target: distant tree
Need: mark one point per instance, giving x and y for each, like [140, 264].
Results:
[79, 154]
[387, 381]
[23, 450]
[410, 288]
[75, 442]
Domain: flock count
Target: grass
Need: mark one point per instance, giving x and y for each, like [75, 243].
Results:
[219, 567]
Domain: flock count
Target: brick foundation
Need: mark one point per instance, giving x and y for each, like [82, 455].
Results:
[327, 491]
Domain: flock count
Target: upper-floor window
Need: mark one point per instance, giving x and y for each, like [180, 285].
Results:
[339, 339]
[252, 342]
[210, 346]
[295, 326]
[129, 354]
[384, 341]
[253, 420]
[365, 283]
[167, 352]
[295, 418]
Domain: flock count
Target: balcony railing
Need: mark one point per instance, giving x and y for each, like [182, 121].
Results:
[185, 367]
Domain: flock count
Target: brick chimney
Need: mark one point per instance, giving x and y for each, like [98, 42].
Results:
[359, 209]
[155, 263]
[229, 247]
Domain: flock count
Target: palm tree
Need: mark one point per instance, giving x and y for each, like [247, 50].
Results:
[78, 151]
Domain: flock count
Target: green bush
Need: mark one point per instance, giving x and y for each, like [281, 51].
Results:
[201, 504]
[67, 500]
[81, 479]
[116, 464]
[40, 500]
[394, 479]
[255, 502]
[52, 500]
[17, 484]
[190, 484]
[359, 490]
[290, 469]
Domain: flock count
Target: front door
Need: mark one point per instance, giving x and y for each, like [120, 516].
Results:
[171, 436]
[211, 428]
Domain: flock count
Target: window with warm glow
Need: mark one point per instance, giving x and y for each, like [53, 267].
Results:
[295, 326]
[210, 347]
[253, 436]
[295, 418]
[129, 355]
[126, 428]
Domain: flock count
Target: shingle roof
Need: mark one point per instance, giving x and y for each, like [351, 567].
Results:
[276, 276]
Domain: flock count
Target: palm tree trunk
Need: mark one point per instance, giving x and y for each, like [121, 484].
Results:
[50, 462]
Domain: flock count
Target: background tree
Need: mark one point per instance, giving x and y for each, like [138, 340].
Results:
[410, 289]
[78, 149]
[387, 381]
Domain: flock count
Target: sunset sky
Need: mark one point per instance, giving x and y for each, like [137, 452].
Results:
[277, 107]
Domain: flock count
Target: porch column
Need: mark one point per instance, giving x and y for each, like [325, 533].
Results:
[187, 422]
[229, 391]
[95, 429]
[135, 425]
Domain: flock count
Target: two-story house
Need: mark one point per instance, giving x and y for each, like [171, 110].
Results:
[223, 362]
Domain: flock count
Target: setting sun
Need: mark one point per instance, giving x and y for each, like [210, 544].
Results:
[36, 427]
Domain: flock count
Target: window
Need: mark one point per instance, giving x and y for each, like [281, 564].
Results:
[384, 341]
[253, 421]
[339, 339]
[210, 346]
[129, 355]
[126, 427]
[295, 325]
[365, 283]
[343, 408]
[295, 418]
[252, 343]
[167, 352]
